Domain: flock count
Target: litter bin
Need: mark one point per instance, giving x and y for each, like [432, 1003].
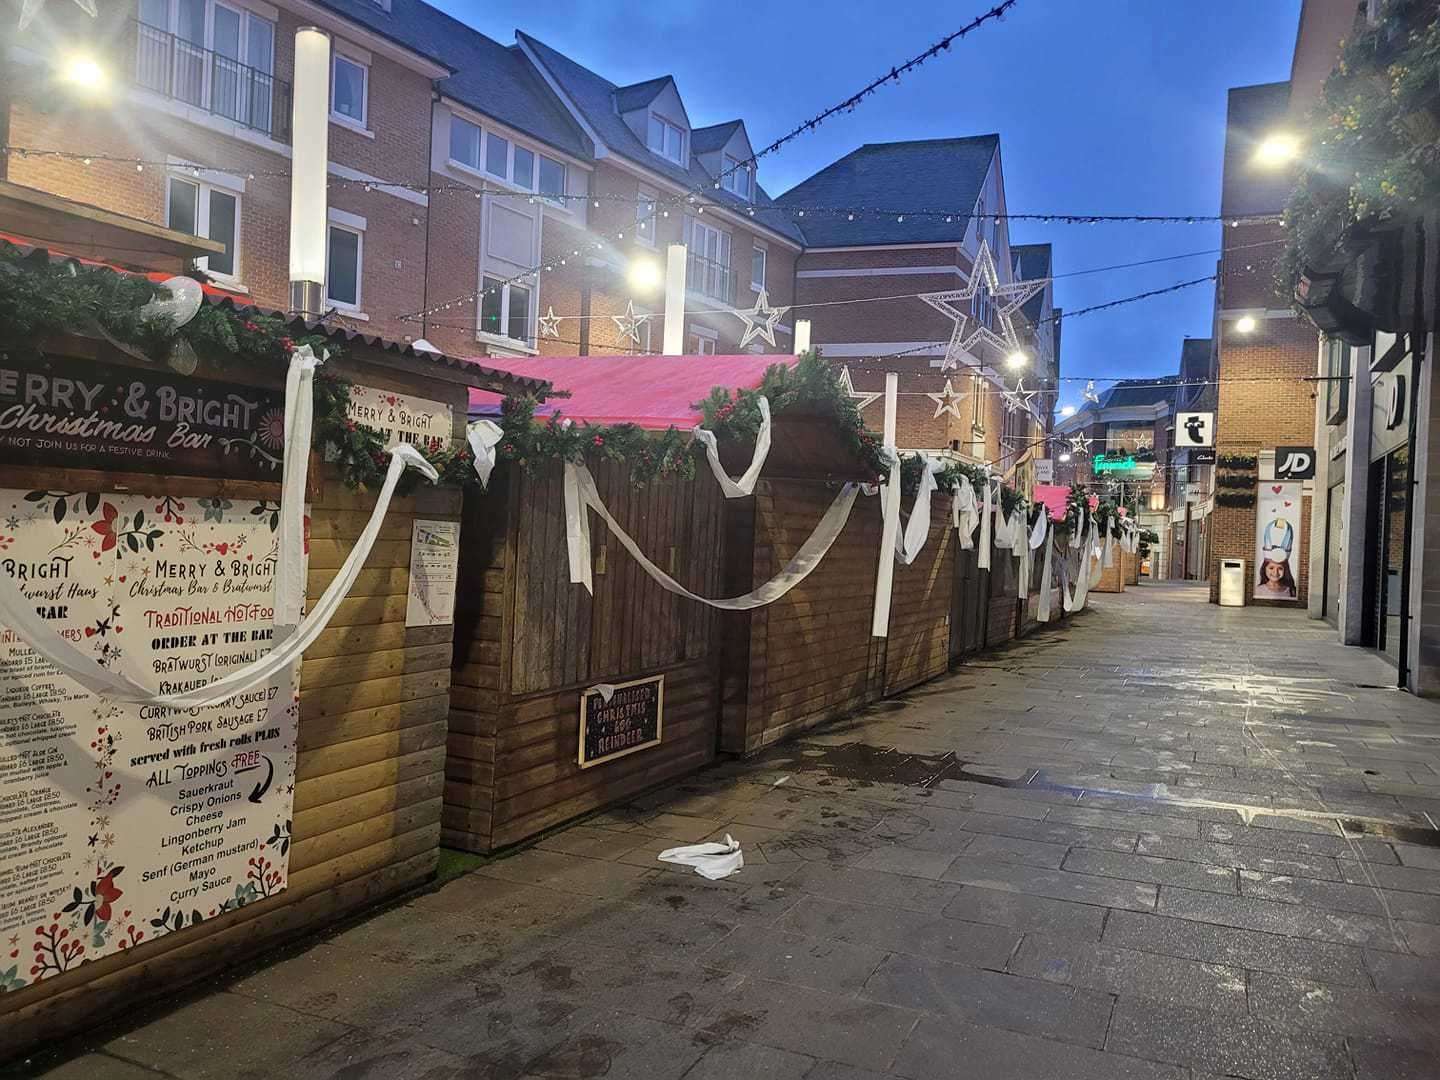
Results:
[1232, 582]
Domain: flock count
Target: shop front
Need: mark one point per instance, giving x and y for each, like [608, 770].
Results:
[1388, 511]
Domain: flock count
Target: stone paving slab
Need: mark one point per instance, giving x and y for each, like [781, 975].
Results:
[1171, 896]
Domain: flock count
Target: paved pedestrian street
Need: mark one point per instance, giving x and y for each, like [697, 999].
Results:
[1166, 841]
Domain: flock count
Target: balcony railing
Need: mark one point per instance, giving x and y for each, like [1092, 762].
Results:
[710, 278]
[184, 71]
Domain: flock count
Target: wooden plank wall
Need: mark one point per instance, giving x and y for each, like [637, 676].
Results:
[373, 699]
[970, 605]
[529, 642]
[1003, 612]
[918, 647]
[809, 656]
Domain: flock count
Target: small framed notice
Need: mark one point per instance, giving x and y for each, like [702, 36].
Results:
[628, 721]
[434, 566]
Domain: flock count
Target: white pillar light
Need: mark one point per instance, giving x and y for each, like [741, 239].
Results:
[890, 516]
[674, 300]
[802, 336]
[309, 169]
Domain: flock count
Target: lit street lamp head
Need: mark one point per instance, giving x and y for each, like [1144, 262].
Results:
[84, 72]
[1016, 359]
[1245, 324]
[644, 275]
[1277, 149]
[1067, 410]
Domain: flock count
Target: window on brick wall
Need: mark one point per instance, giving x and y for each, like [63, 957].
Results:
[509, 248]
[503, 158]
[343, 267]
[757, 266]
[201, 209]
[217, 56]
[700, 342]
[349, 86]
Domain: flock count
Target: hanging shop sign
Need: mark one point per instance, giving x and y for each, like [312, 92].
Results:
[434, 568]
[1202, 456]
[1294, 463]
[620, 719]
[73, 413]
[122, 823]
[429, 425]
[1194, 429]
[1277, 542]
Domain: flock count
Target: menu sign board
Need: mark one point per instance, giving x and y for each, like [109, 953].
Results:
[86, 415]
[620, 719]
[121, 823]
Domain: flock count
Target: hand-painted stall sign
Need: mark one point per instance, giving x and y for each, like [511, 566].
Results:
[405, 418]
[85, 415]
[627, 721]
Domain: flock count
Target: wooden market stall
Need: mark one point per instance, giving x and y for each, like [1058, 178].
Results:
[531, 647]
[151, 499]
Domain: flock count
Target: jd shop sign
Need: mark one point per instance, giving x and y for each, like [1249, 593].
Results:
[627, 720]
[86, 415]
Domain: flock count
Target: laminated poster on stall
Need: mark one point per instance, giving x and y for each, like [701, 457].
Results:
[121, 823]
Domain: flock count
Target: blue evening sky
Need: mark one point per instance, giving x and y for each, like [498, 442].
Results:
[1106, 106]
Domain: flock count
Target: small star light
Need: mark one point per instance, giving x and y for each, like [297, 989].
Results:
[862, 397]
[1006, 300]
[549, 323]
[629, 323]
[1080, 444]
[1019, 398]
[947, 400]
[1090, 395]
[759, 320]
[30, 8]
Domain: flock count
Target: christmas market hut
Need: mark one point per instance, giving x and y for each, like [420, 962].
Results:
[191, 769]
[580, 679]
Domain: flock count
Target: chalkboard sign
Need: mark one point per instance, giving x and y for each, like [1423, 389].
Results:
[82, 414]
[628, 722]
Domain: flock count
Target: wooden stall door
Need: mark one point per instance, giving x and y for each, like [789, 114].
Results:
[918, 646]
[971, 603]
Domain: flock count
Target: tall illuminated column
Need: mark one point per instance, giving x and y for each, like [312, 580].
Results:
[802, 336]
[674, 300]
[309, 169]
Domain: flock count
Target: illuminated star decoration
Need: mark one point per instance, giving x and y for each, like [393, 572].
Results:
[1019, 398]
[1090, 395]
[1006, 299]
[759, 320]
[30, 8]
[629, 323]
[947, 400]
[862, 397]
[550, 323]
[1080, 444]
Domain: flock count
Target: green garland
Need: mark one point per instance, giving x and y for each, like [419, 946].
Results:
[648, 456]
[808, 387]
[1372, 142]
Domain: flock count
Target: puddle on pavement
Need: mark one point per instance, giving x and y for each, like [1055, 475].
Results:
[866, 765]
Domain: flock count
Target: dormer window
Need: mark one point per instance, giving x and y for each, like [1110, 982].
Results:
[738, 178]
[666, 139]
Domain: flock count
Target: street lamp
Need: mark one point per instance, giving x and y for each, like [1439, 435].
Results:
[1067, 410]
[1279, 148]
[85, 73]
[1064, 459]
[1016, 360]
[644, 275]
[1245, 324]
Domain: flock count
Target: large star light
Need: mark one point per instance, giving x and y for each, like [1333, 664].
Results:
[1019, 398]
[30, 8]
[759, 320]
[970, 332]
[550, 323]
[629, 323]
[862, 397]
[1080, 444]
[947, 400]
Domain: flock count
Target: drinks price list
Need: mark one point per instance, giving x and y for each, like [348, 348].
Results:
[120, 823]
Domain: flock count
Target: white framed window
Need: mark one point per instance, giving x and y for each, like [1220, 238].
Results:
[344, 266]
[708, 260]
[349, 87]
[497, 155]
[645, 213]
[666, 139]
[757, 266]
[202, 209]
[217, 56]
[509, 247]
[552, 180]
[700, 342]
[737, 177]
[465, 140]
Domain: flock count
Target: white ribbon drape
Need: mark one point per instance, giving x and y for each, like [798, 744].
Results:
[911, 539]
[965, 513]
[1042, 612]
[582, 496]
[19, 614]
[745, 485]
[483, 436]
[986, 510]
[290, 535]
[1084, 579]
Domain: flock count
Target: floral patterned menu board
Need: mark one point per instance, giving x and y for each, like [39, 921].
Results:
[121, 823]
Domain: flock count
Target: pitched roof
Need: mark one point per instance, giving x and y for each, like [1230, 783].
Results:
[1034, 260]
[703, 140]
[1130, 392]
[945, 174]
[654, 392]
[490, 78]
[638, 95]
[594, 96]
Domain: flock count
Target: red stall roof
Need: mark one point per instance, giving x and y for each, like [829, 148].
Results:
[1054, 497]
[654, 392]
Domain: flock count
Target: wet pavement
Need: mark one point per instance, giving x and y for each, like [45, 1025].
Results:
[1167, 841]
